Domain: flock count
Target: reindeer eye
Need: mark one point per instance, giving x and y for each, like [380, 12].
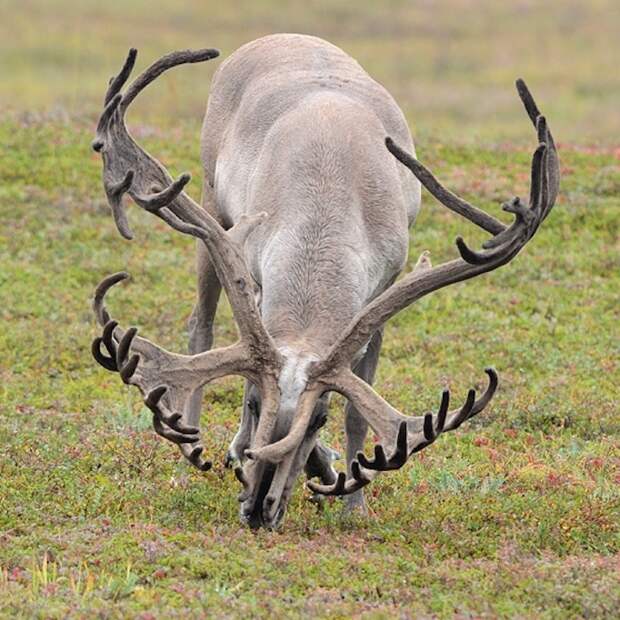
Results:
[253, 407]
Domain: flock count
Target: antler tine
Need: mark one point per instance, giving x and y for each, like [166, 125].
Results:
[185, 434]
[343, 485]
[485, 399]
[107, 361]
[193, 453]
[104, 121]
[103, 316]
[464, 413]
[537, 175]
[337, 488]
[163, 431]
[159, 199]
[442, 194]
[117, 82]
[115, 193]
[528, 101]
[544, 135]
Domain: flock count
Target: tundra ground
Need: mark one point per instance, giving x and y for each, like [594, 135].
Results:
[516, 514]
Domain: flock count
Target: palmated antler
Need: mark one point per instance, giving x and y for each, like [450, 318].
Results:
[129, 169]
[166, 379]
[406, 434]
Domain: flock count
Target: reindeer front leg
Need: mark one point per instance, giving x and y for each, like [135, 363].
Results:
[201, 338]
[356, 425]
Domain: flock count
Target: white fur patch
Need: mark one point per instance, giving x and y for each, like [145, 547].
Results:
[293, 377]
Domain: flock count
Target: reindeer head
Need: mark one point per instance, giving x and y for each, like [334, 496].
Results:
[290, 386]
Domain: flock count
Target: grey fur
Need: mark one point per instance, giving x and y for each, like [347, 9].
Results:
[295, 128]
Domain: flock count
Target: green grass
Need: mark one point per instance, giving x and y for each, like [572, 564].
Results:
[515, 515]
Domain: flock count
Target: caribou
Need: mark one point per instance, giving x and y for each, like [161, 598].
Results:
[311, 184]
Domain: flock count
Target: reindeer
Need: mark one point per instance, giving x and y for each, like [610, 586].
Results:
[304, 222]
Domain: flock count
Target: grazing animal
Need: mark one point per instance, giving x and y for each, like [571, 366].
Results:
[304, 223]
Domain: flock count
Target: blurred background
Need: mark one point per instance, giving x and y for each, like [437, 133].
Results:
[450, 64]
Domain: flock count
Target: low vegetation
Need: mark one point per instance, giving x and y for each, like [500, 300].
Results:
[516, 515]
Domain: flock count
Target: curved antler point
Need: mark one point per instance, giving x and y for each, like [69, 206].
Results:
[490, 371]
[445, 400]
[467, 254]
[313, 486]
[129, 368]
[196, 452]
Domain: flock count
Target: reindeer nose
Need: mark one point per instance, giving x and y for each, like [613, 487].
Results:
[272, 513]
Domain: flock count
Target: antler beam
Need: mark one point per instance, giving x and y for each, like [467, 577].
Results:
[501, 249]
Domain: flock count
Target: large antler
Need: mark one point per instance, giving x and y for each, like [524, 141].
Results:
[165, 379]
[129, 169]
[500, 249]
[411, 434]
